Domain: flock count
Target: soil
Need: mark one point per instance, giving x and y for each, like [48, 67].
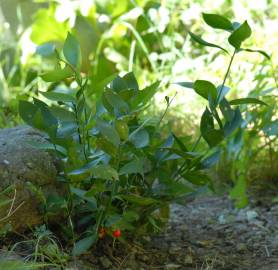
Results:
[207, 233]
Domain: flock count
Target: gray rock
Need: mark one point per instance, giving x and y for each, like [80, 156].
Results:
[21, 163]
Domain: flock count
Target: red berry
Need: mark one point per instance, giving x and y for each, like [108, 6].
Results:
[117, 233]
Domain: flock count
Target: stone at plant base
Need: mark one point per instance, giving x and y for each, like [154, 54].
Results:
[21, 163]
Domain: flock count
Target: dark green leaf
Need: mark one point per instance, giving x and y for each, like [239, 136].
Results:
[205, 43]
[239, 35]
[240, 101]
[258, 51]
[205, 89]
[217, 21]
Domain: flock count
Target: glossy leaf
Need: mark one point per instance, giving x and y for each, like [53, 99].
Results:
[265, 54]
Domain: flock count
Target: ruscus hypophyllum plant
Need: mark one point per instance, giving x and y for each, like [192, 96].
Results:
[120, 171]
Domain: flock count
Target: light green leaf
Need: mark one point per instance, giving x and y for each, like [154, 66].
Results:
[57, 75]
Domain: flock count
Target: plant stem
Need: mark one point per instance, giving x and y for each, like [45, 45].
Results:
[227, 73]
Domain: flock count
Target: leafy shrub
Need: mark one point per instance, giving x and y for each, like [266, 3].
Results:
[120, 172]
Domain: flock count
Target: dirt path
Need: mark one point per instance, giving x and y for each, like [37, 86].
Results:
[208, 234]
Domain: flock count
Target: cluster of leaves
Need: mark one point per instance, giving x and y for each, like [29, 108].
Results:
[120, 172]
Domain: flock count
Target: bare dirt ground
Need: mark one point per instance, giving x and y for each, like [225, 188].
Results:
[205, 234]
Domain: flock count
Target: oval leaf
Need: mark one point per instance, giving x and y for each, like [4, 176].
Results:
[217, 21]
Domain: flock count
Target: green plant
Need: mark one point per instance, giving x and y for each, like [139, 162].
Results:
[120, 172]
[231, 119]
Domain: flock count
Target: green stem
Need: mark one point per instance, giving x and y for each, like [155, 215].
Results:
[227, 73]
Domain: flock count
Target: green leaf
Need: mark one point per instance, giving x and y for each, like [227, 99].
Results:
[56, 96]
[186, 84]
[108, 132]
[211, 160]
[72, 51]
[116, 101]
[84, 244]
[27, 111]
[105, 172]
[240, 101]
[212, 136]
[62, 114]
[258, 51]
[239, 35]
[57, 75]
[206, 122]
[134, 166]
[197, 178]
[131, 81]
[118, 84]
[136, 199]
[205, 89]
[48, 146]
[180, 143]
[145, 95]
[238, 193]
[235, 123]
[217, 21]
[140, 139]
[46, 49]
[205, 43]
